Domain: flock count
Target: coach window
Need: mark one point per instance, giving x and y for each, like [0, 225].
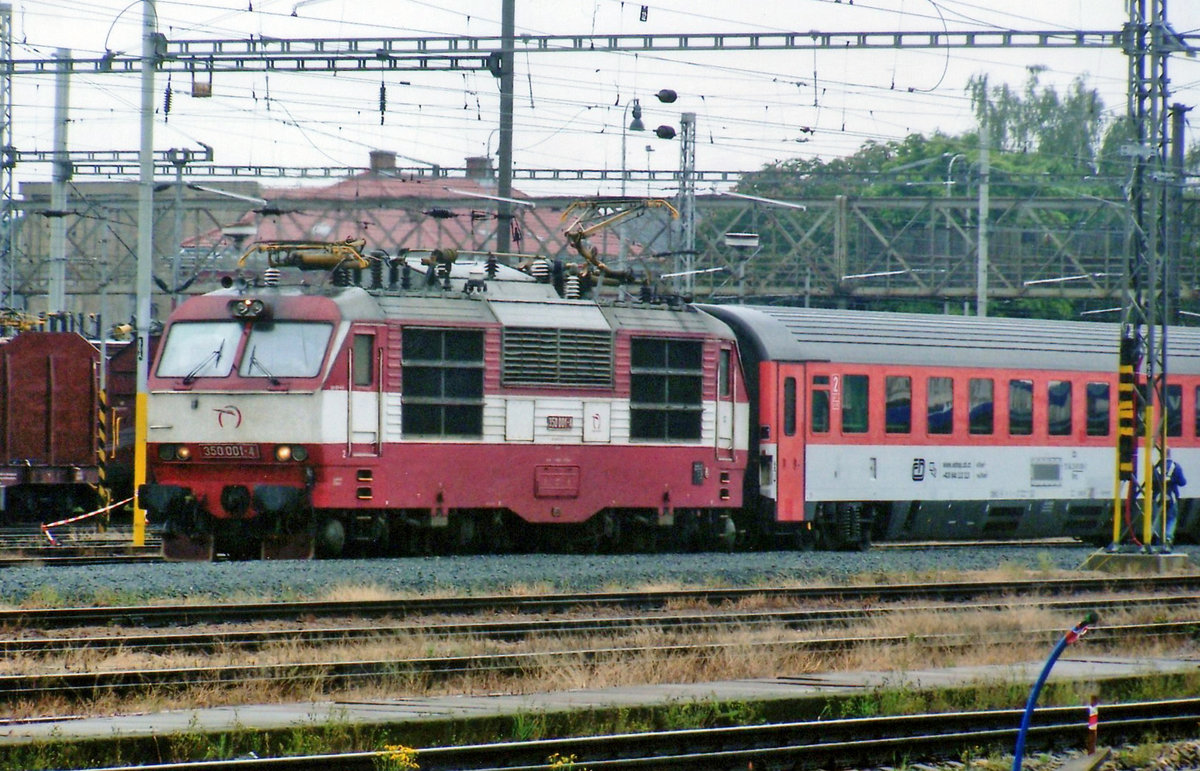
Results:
[364, 359]
[1174, 410]
[1196, 420]
[789, 406]
[1058, 413]
[898, 404]
[820, 404]
[1020, 407]
[854, 404]
[1097, 409]
[980, 405]
[939, 414]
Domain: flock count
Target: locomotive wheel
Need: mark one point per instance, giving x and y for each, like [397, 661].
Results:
[330, 537]
[601, 533]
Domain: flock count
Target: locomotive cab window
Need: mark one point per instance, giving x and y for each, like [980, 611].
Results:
[898, 405]
[200, 349]
[666, 379]
[285, 349]
[364, 360]
[442, 374]
[1097, 409]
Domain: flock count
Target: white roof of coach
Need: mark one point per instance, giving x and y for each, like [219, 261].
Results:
[869, 337]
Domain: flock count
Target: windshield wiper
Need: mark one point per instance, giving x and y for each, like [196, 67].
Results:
[212, 358]
[255, 362]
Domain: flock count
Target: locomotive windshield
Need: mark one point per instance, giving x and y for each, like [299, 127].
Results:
[200, 349]
[285, 349]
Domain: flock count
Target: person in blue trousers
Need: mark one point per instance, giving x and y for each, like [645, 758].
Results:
[1168, 478]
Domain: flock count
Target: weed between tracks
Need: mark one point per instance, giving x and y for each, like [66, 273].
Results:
[887, 643]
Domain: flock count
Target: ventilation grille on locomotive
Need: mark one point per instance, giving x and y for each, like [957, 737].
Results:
[557, 357]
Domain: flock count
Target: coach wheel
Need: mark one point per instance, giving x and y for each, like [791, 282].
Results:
[848, 528]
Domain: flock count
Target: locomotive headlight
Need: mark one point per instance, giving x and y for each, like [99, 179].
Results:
[248, 308]
[286, 452]
[170, 452]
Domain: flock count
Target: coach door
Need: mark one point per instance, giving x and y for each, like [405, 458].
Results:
[790, 407]
[726, 414]
[365, 404]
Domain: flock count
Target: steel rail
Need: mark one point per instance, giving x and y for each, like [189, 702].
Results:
[334, 674]
[511, 630]
[849, 742]
[178, 614]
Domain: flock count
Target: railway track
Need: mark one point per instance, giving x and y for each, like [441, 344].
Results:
[332, 675]
[524, 629]
[849, 743]
[21, 546]
[613, 631]
[828, 596]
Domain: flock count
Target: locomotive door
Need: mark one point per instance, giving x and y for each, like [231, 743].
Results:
[726, 389]
[365, 403]
[789, 430]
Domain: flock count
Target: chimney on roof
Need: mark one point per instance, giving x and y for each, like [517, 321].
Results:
[382, 160]
[480, 167]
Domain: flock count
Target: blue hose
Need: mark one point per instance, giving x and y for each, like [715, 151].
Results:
[1076, 632]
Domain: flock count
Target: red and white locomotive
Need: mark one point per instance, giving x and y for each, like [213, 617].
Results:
[456, 403]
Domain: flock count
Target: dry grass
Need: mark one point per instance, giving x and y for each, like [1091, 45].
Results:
[750, 652]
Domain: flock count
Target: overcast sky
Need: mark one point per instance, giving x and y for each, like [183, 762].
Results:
[751, 108]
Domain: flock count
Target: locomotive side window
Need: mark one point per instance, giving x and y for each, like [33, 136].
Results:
[724, 374]
[854, 404]
[285, 349]
[980, 405]
[898, 404]
[789, 406]
[443, 382]
[1020, 407]
[1174, 396]
[1058, 415]
[364, 359]
[940, 405]
[200, 349]
[1097, 409]
[666, 388]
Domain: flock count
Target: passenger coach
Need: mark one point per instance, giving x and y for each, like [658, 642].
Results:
[896, 426]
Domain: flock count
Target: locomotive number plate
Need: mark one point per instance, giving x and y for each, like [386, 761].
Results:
[229, 451]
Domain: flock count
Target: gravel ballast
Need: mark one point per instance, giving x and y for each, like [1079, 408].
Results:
[297, 580]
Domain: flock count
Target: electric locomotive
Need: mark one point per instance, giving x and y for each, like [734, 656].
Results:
[336, 403]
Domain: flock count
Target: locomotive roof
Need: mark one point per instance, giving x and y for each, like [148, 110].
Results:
[871, 337]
